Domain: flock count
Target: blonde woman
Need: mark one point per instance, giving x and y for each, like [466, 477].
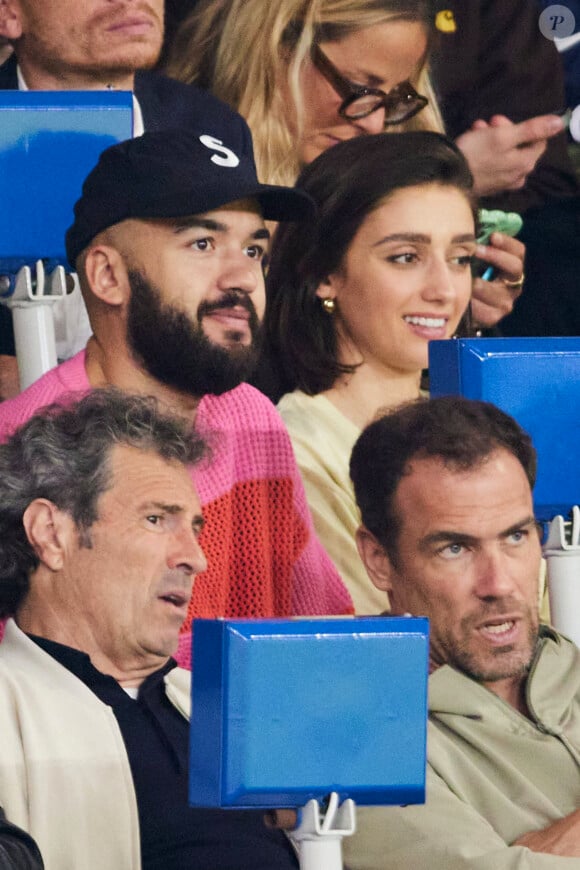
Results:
[267, 60]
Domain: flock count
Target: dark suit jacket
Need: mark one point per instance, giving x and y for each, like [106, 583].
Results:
[165, 104]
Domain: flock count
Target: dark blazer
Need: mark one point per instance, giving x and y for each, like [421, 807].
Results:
[165, 104]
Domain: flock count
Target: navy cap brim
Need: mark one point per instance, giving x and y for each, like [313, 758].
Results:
[282, 204]
[276, 203]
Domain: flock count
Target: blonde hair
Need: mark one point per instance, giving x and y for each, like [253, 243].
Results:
[242, 50]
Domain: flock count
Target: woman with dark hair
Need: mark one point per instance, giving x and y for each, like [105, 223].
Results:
[355, 294]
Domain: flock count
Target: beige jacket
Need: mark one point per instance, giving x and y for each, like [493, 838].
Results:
[64, 771]
[492, 775]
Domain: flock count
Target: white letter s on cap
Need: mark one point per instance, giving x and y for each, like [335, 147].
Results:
[228, 158]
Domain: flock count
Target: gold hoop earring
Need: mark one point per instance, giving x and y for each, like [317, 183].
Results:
[329, 305]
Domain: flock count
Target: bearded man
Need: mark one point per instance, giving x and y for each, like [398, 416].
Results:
[169, 242]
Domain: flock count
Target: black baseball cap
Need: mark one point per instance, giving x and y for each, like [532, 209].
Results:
[170, 174]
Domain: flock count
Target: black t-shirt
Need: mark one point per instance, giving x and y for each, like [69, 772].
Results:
[175, 836]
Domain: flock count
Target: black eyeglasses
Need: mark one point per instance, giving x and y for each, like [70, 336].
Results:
[400, 104]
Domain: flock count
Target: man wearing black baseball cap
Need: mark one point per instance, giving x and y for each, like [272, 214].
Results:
[169, 242]
[193, 279]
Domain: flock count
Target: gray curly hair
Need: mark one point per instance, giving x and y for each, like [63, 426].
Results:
[63, 454]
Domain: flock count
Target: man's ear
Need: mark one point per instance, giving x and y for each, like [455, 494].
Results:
[10, 20]
[375, 559]
[47, 529]
[106, 274]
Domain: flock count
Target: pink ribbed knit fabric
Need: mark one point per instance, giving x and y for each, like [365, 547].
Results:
[263, 556]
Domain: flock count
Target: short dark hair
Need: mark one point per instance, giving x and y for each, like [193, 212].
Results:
[462, 432]
[63, 454]
[347, 182]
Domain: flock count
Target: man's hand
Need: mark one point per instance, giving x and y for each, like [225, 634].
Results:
[9, 383]
[284, 819]
[502, 154]
[560, 838]
[492, 300]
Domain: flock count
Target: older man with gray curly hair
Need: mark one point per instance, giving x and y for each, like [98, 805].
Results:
[99, 550]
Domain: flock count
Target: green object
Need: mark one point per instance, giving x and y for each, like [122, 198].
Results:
[495, 221]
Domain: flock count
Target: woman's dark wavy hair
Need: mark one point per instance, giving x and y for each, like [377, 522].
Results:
[347, 182]
[63, 454]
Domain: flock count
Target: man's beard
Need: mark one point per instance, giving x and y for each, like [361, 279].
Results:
[175, 350]
[502, 662]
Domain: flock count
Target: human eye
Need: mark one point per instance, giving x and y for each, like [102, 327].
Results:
[255, 252]
[518, 536]
[462, 261]
[405, 258]
[204, 244]
[452, 550]
[357, 87]
[154, 519]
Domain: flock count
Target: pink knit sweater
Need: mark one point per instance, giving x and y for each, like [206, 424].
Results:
[263, 556]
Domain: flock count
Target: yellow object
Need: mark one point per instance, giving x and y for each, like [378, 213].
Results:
[445, 21]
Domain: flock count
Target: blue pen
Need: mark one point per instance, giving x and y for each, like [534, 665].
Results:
[489, 274]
